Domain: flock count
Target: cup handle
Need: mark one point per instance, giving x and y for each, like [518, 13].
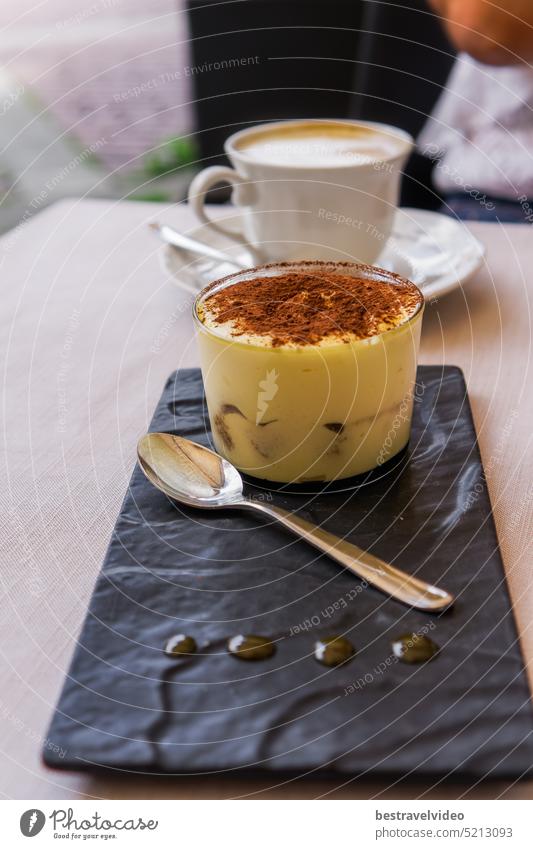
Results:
[242, 195]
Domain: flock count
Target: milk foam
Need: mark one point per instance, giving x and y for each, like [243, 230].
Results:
[311, 145]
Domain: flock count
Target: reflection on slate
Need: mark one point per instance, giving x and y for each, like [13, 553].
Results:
[126, 705]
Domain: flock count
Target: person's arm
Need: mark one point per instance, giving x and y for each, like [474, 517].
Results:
[496, 32]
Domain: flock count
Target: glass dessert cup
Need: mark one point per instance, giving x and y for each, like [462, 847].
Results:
[294, 413]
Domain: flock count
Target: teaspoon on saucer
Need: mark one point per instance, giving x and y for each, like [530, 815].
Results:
[195, 476]
[194, 246]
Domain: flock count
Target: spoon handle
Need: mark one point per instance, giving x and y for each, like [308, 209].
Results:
[388, 578]
[194, 246]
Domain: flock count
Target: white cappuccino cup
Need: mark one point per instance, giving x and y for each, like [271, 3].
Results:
[310, 189]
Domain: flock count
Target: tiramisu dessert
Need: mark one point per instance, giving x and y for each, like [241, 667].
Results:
[309, 368]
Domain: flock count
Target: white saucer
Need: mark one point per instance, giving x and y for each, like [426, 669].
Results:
[435, 251]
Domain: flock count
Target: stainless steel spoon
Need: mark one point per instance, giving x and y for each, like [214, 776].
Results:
[194, 475]
[180, 240]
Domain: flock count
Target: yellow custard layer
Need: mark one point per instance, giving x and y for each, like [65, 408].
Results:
[313, 413]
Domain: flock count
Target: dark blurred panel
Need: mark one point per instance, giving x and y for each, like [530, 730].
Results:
[293, 52]
[404, 61]
[260, 60]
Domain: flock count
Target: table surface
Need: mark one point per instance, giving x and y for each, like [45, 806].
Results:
[91, 326]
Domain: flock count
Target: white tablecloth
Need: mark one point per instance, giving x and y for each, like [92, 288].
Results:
[90, 329]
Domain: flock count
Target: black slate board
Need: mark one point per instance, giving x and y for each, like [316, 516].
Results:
[214, 575]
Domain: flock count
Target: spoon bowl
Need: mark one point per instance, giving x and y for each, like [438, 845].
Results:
[198, 477]
[188, 472]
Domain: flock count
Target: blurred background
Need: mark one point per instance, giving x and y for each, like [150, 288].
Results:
[127, 99]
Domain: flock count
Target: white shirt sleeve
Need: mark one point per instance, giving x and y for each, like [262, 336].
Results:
[481, 130]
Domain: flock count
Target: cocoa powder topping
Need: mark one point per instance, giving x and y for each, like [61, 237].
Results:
[305, 307]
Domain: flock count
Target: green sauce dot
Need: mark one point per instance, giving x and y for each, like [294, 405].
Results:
[250, 647]
[332, 651]
[414, 648]
[179, 645]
